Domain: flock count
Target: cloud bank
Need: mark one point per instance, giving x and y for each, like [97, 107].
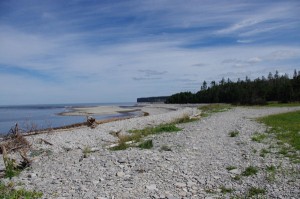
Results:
[103, 51]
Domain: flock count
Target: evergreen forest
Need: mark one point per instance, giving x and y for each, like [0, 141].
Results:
[259, 91]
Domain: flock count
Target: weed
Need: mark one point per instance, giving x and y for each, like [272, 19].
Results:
[121, 146]
[258, 137]
[86, 151]
[8, 191]
[185, 119]
[225, 190]
[230, 168]
[271, 168]
[271, 171]
[148, 144]
[237, 177]
[254, 150]
[10, 168]
[233, 133]
[253, 191]
[263, 152]
[137, 135]
[250, 171]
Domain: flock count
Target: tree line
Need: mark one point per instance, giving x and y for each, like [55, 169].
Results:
[259, 91]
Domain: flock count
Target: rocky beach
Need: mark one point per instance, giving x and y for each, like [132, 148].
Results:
[201, 160]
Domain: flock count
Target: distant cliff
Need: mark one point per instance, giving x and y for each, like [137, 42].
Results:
[161, 99]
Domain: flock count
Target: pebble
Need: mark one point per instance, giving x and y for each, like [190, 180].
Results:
[197, 163]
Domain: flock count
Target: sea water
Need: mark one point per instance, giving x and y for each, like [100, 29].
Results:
[47, 116]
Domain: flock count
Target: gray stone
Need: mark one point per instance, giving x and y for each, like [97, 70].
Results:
[151, 187]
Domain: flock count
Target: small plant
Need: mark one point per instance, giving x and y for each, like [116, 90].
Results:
[86, 151]
[254, 150]
[165, 148]
[250, 171]
[263, 152]
[148, 144]
[230, 168]
[237, 177]
[271, 171]
[10, 168]
[121, 146]
[253, 191]
[225, 190]
[233, 133]
[185, 119]
[8, 191]
[258, 137]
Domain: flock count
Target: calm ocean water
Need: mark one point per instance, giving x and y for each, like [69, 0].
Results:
[46, 116]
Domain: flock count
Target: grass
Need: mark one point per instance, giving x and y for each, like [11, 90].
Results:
[229, 168]
[185, 119]
[233, 133]
[237, 177]
[214, 108]
[120, 146]
[276, 104]
[137, 135]
[86, 151]
[271, 171]
[225, 190]
[8, 192]
[263, 152]
[286, 126]
[249, 171]
[148, 144]
[10, 169]
[258, 137]
[253, 191]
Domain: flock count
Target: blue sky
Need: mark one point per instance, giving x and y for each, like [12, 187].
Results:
[115, 51]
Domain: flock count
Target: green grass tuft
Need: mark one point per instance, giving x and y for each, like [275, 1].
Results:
[230, 168]
[120, 146]
[148, 144]
[225, 190]
[258, 137]
[233, 133]
[263, 152]
[253, 191]
[249, 171]
[8, 192]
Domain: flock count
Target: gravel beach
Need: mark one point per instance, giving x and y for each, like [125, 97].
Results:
[190, 163]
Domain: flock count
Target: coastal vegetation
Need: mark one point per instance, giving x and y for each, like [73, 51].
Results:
[259, 91]
[286, 128]
[9, 192]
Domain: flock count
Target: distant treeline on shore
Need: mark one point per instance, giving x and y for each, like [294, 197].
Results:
[246, 92]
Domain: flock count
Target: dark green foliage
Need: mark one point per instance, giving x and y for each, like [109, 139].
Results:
[148, 144]
[250, 171]
[233, 133]
[246, 92]
[253, 191]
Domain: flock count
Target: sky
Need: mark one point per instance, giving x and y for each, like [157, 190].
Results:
[96, 51]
